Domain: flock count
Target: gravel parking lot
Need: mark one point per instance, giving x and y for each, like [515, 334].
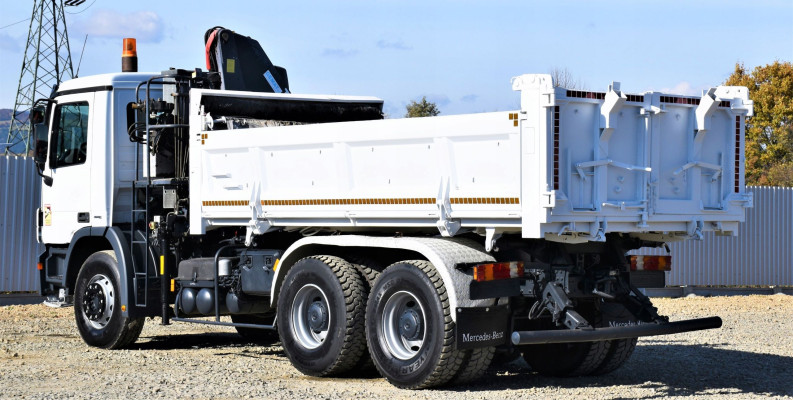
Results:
[42, 356]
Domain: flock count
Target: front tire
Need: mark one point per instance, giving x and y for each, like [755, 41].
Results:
[97, 304]
[321, 316]
[409, 328]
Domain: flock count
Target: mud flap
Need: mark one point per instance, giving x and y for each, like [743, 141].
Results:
[482, 327]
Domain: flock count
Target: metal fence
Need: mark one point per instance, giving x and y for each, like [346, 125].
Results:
[761, 254]
[19, 199]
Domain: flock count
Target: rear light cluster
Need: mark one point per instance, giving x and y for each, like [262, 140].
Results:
[495, 271]
[651, 263]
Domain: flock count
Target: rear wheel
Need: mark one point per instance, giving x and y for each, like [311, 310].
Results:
[321, 316]
[409, 328]
[97, 304]
[566, 359]
[369, 270]
[476, 363]
[619, 352]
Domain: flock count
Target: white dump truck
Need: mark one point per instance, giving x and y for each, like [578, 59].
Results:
[420, 247]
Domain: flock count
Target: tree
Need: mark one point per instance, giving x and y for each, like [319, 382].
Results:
[562, 77]
[422, 108]
[769, 133]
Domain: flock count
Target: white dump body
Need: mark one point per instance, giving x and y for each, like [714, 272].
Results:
[567, 166]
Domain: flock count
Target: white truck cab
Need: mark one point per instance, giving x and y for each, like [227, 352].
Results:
[90, 158]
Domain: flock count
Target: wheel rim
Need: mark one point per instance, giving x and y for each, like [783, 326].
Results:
[403, 325]
[310, 316]
[98, 301]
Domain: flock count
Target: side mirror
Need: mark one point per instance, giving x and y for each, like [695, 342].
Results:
[40, 151]
[36, 116]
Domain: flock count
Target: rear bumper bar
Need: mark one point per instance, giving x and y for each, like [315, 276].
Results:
[622, 332]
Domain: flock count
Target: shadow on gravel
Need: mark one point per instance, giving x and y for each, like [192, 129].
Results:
[669, 369]
[215, 340]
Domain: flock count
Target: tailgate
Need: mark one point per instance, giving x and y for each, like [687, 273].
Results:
[643, 163]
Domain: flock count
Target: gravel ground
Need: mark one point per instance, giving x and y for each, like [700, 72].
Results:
[42, 356]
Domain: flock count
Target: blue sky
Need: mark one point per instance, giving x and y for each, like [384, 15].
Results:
[460, 54]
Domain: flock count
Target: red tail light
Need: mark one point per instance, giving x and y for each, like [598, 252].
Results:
[495, 271]
[651, 263]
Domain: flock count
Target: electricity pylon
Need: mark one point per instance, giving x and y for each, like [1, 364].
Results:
[47, 60]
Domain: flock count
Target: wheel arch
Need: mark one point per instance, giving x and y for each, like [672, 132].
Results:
[90, 240]
[443, 253]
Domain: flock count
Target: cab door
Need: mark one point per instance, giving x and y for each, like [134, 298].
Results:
[66, 204]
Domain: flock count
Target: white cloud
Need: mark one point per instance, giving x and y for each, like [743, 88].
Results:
[145, 26]
[340, 53]
[469, 98]
[441, 100]
[395, 45]
[9, 43]
[683, 88]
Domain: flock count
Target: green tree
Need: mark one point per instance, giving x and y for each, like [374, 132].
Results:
[421, 108]
[769, 133]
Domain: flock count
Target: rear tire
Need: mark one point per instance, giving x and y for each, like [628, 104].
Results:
[566, 359]
[369, 271]
[321, 316]
[476, 363]
[98, 302]
[618, 354]
[409, 328]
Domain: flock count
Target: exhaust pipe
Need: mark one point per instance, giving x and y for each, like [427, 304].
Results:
[622, 332]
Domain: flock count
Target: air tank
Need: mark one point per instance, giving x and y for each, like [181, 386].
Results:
[187, 300]
[205, 302]
[238, 306]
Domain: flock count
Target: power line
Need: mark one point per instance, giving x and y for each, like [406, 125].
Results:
[78, 12]
[47, 62]
[28, 19]
[19, 22]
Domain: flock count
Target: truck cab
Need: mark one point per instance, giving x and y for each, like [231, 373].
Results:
[88, 162]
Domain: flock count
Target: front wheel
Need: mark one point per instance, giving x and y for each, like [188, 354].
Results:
[97, 304]
[409, 328]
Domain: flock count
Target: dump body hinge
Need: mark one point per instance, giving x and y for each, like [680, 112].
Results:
[446, 225]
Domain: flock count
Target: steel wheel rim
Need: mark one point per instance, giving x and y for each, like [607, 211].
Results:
[98, 301]
[310, 316]
[403, 325]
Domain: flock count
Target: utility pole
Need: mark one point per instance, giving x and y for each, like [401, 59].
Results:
[46, 62]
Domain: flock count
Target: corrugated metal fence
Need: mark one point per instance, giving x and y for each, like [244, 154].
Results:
[19, 199]
[761, 254]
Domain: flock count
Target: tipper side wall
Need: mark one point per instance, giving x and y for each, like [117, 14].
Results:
[568, 166]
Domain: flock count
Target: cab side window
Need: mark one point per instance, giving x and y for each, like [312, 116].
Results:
[70, 135]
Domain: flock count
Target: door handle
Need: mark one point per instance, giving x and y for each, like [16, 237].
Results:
[83, 217]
